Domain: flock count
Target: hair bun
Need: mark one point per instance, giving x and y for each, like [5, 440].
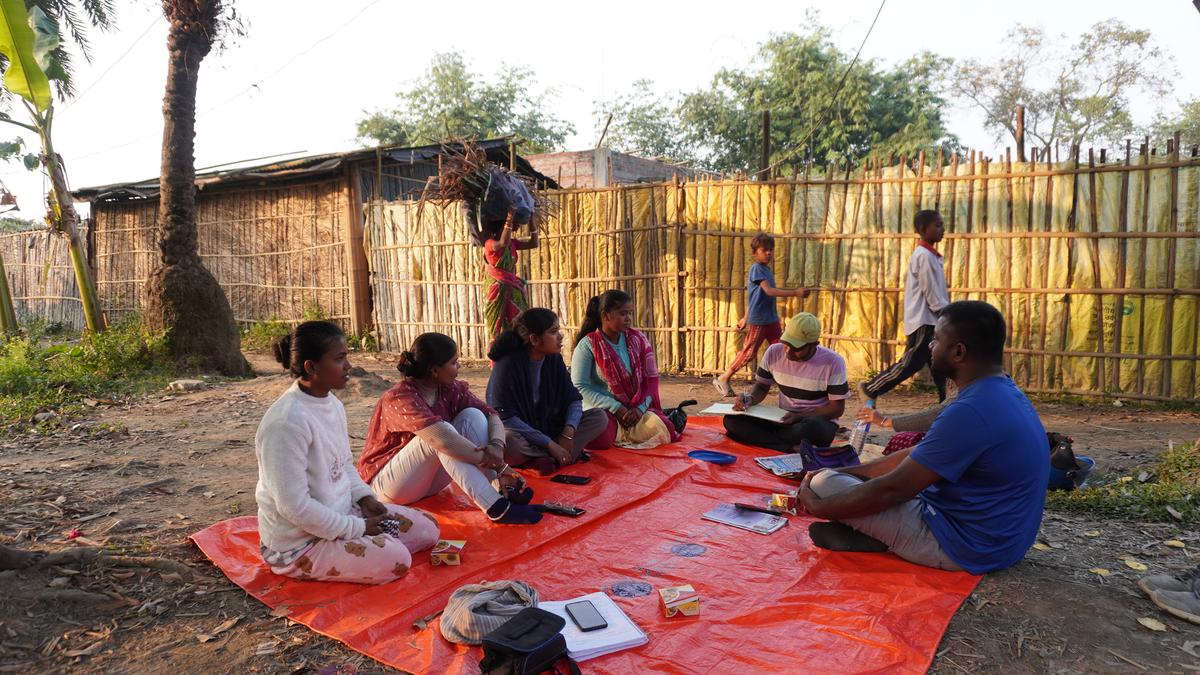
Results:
[406, 362]
[282, 349]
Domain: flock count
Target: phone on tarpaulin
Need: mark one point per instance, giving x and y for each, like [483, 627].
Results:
[586, 616]
[563, 510]
[571, 480]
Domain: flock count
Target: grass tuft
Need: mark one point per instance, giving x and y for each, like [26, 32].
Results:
[46, 371]
[1173, 484]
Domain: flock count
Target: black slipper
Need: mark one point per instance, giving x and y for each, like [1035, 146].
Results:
[836, 536]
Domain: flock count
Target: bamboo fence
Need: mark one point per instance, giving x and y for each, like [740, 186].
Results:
[1094, 264]
[41, 279]
[279, 253]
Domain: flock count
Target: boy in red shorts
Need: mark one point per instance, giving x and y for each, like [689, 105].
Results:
[761, 321]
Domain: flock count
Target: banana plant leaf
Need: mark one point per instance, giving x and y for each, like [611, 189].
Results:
[24, 76]
[46, 40]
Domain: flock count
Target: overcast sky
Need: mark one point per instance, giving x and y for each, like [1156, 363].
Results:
[306, 71]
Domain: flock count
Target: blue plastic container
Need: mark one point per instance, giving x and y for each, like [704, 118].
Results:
[1069, 480]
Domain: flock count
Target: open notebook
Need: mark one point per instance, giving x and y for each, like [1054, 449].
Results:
[766, 412]
[622, 633]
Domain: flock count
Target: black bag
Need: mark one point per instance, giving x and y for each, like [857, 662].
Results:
[488, 212]
[527, 644]
[678, 416]
[1062, 454]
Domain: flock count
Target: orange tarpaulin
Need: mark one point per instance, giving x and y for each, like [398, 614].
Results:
[768, 603]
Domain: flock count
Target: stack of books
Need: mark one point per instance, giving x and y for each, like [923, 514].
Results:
[621, 633]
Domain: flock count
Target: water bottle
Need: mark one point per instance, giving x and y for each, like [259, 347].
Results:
[858, 437]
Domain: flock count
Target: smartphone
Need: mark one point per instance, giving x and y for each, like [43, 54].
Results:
[586, 616]
[571, 480]
[563, 510]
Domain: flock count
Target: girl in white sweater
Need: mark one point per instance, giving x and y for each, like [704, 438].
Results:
[316, 518]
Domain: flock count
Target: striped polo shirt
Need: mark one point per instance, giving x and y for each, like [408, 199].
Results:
[804, 385]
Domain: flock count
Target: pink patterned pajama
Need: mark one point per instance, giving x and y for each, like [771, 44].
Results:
[369, 559]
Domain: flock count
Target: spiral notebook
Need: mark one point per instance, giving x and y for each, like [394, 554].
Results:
[621, 633]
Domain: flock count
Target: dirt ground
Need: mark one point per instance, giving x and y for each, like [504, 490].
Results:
[137, 478]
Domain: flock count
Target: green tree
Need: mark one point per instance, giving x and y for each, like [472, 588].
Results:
[1187, 121]
[645, 122]
[181, 296]
[824, 106]
[1073, 96]
[452, 101]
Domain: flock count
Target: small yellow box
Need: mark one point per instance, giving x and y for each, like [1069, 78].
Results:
[785, 502]
[447, 552]
[680, 600]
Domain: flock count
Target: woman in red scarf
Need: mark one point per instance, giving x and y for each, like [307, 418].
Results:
[614, 368]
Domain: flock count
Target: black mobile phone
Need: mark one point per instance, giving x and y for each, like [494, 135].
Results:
[571, 480]
[586, 616]
[563, 510]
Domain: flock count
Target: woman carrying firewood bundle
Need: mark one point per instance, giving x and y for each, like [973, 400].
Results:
[496, 203]
[506, 293]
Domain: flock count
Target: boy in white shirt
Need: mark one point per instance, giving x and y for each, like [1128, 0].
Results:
[925, 296]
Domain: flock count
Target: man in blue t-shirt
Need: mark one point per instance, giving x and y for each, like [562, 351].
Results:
[967, 497]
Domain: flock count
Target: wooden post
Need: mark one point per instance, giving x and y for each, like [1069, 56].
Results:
[357, 270]
[1122, 256]
[765, 163]
[681, 296]
[1020, 133]
[1168, 346]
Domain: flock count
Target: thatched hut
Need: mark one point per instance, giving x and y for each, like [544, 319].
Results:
[284, 239]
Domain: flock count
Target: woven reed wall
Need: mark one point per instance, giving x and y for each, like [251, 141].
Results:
[426, 276]
[277, 252]
[1095, 267]
[40, 277]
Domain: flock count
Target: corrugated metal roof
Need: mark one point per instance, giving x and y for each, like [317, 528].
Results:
[313, 165]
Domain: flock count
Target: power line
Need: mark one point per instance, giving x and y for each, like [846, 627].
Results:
[107, 70]
[800, 146]
[292, 60]
[253, 86]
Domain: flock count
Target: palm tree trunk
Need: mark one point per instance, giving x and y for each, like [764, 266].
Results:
[181, 295]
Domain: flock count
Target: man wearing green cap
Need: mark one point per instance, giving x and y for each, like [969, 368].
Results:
[812, 389]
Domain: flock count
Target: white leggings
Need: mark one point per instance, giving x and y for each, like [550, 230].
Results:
[418, 470]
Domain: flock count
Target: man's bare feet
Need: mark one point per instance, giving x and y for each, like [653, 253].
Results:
[13, 559]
